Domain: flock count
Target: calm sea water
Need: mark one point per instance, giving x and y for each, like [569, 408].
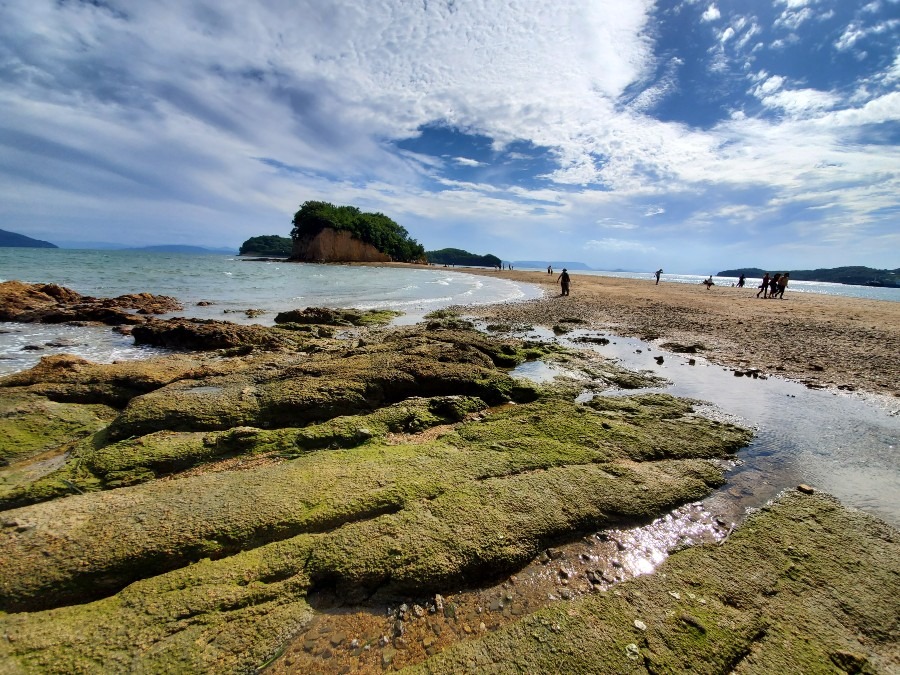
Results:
[231, 284]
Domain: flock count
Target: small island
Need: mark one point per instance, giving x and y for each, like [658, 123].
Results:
[456, 256]
[267, 245]
[324, 232]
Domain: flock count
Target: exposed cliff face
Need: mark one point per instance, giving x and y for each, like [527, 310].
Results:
[335, 246]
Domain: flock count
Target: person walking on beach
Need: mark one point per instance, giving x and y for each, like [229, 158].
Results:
[709, 282]
[564, 280]
[549, 269]
[658, 273]
[742, 280]
[782, 284]
[773, 285]
[764, 287]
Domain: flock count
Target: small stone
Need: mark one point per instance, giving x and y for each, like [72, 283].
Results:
[400, 643]
[805, 489]
[632, 651]
[439, 602]
[418, 611]
[675, 594]
[387, 656]
[659, 359]
[640, 625]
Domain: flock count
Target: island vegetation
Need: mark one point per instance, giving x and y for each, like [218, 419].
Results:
[270, 244]
[855, 275]
[456, 256]
[376, 229]
[14, 239]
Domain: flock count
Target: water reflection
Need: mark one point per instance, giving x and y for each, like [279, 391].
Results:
[843, 444]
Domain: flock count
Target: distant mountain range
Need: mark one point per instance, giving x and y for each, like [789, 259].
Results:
[13, 239]
[854, 276]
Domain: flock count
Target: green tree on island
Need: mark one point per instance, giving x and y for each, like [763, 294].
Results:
[456, 256]
[270, 244]
[373, 228]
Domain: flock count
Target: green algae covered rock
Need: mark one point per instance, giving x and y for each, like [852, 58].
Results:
[803, 586]
[226, 492]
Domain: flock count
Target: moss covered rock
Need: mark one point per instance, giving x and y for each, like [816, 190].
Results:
[802, 586]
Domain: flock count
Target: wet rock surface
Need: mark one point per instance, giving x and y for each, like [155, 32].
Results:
[775, 596]
[50, 303]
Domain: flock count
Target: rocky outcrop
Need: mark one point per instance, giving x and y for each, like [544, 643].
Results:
[50, 303]
[330, 245]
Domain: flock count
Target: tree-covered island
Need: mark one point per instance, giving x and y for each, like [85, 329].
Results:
[375, 229]
[271, 244]
[456, 256]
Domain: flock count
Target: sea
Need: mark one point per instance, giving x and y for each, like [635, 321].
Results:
[842, 443]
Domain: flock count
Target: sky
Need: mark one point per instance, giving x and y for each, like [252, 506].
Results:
[690, 135]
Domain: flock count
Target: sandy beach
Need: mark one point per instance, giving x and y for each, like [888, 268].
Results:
[822, 341]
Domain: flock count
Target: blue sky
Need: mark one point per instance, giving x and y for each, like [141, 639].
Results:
[693, 135]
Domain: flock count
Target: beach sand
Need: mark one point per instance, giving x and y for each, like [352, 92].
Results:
[820, 340]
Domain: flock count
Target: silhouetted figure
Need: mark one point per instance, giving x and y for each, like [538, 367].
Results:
[709, 282]
[564, 281]
[549, 269]
[658, 273]
[782, 284]
[773, 285]
[741, 280]
[764, 287]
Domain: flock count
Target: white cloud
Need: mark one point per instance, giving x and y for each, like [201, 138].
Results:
[465, 161]
[617, 245]
[711, 14]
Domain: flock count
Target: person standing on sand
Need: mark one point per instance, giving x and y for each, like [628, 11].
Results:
[549, 269]
[782, 284]
[764, 287]
[564, 280]
[658, 273]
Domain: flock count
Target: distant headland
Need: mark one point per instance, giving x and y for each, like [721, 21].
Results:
[13, 239]
[854, 276]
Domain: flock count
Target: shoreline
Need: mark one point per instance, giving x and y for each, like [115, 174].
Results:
[822, 341]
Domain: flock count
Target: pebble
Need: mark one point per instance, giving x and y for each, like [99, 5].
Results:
[640, 625]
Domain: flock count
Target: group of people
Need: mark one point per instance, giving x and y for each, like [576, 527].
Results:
[774, 286]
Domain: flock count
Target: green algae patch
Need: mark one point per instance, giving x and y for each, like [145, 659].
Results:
[802, 586]
[149, 529]
[290, 390]
[224, 616]
[338, 317]
[463, 532]
[30, 424]
[71, 379]
[380, 465]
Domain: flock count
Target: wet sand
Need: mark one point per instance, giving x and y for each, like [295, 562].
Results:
[820, 340]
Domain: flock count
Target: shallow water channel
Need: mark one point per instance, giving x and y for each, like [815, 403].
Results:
[840, 443]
